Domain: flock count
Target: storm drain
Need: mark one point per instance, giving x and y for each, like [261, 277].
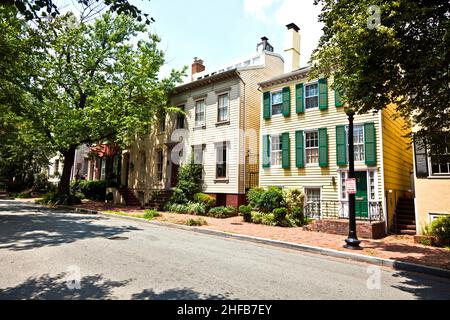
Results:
[118, 238]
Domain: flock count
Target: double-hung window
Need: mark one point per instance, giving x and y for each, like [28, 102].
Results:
[180, 118]
[159, 165]
[223, 107]
[312, 147]
[200, 113]
[312, 201]
[221, 160]
[162, 122]
[358, 143]
[276, 100]
[439, 166]
[311, 96]
[275, 150]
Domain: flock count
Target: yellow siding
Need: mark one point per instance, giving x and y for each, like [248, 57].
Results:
[313, 175]
[397, 158]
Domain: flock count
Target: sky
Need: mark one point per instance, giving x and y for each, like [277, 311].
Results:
[222, 31]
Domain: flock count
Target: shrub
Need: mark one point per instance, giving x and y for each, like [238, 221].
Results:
[176, 207]
[294, 200]
[53, 198]
[440, 228]
[206, 199]
[109, 196]
[266, 200]
[91, 189]
[268, 219]
[196, 222]
[222, 212]
[246, 212]
[178, 196]
[189, 182]
[196, 208]
[41, 183]
[21, 195]
[151, 214]
[257, 217]
[279, 214]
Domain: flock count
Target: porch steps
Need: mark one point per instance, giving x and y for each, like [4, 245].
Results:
[405, 222]
[158, 199]
[129, 197]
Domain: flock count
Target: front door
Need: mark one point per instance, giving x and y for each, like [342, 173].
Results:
[361, 205]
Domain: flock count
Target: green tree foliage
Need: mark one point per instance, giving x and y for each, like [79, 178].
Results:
[400, 56]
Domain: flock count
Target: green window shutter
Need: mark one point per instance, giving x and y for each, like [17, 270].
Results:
[341, 146]
[266, 151]
[285, 151]
[337, 98]
[299, 149]
[286, 101]
[323, 94]
[323, 147]
[370, 147]
[299, 94]
[266, 105]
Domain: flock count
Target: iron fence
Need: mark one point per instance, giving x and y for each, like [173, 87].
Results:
[339, 210]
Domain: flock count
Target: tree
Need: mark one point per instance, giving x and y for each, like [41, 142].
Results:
[394, 52]
[32, 9]
[97, 83]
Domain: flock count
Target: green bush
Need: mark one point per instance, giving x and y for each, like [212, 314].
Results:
[109, 196]
[150, 214]
[178, 197]
[257, 217]
[294, 200]
[41, 183]
[279, 214]
[189, 182]
[222, 212]
[440, 228]
[53, 198]
[206, 199]
[266, 200]
[246, 212]
[196, 208]
[91, 189]
[196, 222]
[21, 195]
[268, 219]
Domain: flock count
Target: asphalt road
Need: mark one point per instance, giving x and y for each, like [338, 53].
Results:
[43, 254]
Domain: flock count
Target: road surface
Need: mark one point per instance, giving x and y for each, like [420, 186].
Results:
[55, 254]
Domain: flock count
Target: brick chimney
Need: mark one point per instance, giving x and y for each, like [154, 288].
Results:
[197, 67]
[292, 48]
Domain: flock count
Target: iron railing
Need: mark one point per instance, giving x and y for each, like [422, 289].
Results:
[339, 210]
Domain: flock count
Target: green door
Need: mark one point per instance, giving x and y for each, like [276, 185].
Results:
[361, 206]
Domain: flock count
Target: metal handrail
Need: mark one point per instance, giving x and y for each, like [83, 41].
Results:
[339, 210]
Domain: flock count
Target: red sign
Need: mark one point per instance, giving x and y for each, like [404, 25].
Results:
[350, 185]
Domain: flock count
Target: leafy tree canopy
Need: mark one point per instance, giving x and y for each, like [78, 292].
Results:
[382, 52]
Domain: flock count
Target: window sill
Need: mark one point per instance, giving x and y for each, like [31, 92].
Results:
[222, 180]
[436, 177]
[199, 128]
[222, 123]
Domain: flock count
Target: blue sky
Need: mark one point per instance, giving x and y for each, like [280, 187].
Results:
[221, 31]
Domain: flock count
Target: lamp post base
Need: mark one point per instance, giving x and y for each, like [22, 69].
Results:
[352, 244]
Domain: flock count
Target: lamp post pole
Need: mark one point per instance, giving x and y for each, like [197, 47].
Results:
[352, 241]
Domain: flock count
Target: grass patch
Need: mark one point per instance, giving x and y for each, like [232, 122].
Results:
[151, 214]
[196, 222]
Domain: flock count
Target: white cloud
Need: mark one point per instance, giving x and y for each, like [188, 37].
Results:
[301, 12]
[258, 8]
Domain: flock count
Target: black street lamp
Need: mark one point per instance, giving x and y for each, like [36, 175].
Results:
[352, 241]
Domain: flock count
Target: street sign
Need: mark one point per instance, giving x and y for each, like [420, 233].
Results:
[350, 185]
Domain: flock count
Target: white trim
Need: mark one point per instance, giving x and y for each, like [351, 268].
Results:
[225, 93]
[270, 150]
[304, 95]
[321, 195]
[380, 125]
[271, 93]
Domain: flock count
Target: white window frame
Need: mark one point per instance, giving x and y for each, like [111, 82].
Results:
[198, 124]
[227, 107]
[341, 187]
[304, 96]
[281, 104]
[430, 166]
[102, 169]
[278, 151]
[200, 147]
[220, 146]
[313, 148]
[305, 192]
[363, 142]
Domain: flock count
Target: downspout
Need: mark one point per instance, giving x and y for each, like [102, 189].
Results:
[244, 130]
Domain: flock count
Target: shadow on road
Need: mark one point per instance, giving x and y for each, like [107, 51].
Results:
[424, 287]
[177, 294]
[46, 287]
[29, 231]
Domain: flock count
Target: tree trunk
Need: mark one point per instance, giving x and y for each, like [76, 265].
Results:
[64, 182]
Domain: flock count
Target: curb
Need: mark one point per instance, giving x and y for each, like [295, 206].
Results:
[394, 264]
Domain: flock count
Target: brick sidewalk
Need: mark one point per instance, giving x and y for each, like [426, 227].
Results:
[400, 248]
